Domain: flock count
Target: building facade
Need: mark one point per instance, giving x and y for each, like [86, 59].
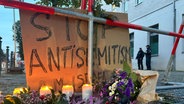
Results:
[164, 15]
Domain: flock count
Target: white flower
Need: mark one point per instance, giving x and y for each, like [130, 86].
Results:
[113, 86]
[111, 93]
[115, 97]
[116, 82]
[110, 88]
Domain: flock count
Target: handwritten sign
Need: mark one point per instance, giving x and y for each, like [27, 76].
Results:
[56, 49]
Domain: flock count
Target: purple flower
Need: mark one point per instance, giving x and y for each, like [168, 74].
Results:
[120, 84]
[120, 90]
[106, 86]
[127, 92]
[110, 98]
[130, 84]
[101, 94]
[123, 75]
[91, 100]
[104, 90]
[105, 93]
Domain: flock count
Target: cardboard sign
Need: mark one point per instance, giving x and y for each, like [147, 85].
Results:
[56, 49]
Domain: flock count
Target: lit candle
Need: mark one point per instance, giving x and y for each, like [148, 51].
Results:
[44, 90]
[68, 90]
[17, 91]
[86, 91]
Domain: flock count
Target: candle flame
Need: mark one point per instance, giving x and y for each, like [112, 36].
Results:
[87, 85]
[46, 88]
[17, 91]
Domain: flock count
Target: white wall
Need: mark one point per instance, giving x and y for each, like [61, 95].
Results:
[164, 17]
[146, 7]
[151, 12]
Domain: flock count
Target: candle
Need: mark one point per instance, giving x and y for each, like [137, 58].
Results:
[17, 91]
[44, 90]
[68, 90]
[86, 91]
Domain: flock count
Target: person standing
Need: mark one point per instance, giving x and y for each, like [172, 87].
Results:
[148, 57]
[139, 57]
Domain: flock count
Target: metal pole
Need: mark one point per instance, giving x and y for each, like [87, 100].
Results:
[90, 42]
[58, 11]
[114, 23]
[169, 65]
[174, 30]
[27, 6]
[83, 4]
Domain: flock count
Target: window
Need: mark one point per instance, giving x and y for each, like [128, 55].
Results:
[138, 2]
[125, 6]
[132, 45]
[154, 40]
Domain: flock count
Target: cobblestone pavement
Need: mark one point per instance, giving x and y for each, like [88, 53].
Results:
[172, 96]
[10, 81]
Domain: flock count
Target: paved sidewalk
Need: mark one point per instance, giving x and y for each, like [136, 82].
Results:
[172, 96]
[10, 81]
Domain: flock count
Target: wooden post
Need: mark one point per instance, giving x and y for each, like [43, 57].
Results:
[7, 57]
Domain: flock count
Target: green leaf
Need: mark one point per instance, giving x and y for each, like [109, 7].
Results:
[127, 68]
[12, 100]
[6, 101]
[134, 77]
[17, 100]
[108, 1]
[62, 99]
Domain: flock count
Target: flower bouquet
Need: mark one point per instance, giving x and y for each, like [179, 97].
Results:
[122, 88]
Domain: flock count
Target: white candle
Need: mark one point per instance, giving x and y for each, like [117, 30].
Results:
[86, 91]
[44, 90]
[68, 90]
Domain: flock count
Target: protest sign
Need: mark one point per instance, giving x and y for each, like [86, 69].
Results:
[56, 49]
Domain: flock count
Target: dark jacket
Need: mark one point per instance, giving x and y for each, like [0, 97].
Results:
[140, 55]
[148, 52]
